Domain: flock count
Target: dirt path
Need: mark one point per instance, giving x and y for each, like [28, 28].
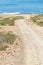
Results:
[33, 44]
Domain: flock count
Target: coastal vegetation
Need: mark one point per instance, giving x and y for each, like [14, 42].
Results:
[38, 19]
[2, 48]
[6, 39]
[10, 21]
[7, 21]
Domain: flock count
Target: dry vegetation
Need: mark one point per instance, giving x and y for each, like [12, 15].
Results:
[5, 39]
[38, 19]
[9, 37]
[9, 20]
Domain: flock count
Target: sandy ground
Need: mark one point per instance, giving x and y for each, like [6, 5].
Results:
[36, 28]
[13, 55]
[33, 43]
[29, 50]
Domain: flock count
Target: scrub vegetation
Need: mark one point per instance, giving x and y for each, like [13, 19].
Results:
[10, 20]
[38, 19]
[6, 39]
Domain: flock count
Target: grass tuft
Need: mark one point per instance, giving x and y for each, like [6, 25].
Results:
[2, 48]
[38, 19]
[10, 21]
[6, 39]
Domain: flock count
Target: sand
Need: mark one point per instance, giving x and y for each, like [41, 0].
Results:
[29, 50]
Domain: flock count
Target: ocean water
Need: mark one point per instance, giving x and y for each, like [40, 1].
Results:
[21, 6]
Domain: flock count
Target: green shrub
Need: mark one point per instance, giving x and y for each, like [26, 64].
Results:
[7, 21]
[7, 38]
[38, 19]
[10, 21]
[2, 48]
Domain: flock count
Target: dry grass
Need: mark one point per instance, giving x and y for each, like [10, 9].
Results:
[9, 20]
[6, 39]
[38, 19]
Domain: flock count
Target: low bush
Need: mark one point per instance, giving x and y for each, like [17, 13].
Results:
[2, 48]
[10, 21]
[38, 19]
[8, 38]
[7, 21]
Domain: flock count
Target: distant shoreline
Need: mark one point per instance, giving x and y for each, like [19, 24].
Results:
[17, 13]
[11, 13]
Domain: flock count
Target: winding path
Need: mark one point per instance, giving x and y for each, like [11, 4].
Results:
[33, 44]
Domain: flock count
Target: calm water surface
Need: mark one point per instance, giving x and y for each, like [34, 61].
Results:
[22, 6]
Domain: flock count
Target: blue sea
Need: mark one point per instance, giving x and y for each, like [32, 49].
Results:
[21, 6]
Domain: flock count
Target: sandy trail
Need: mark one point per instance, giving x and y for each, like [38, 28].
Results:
[33, 44]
